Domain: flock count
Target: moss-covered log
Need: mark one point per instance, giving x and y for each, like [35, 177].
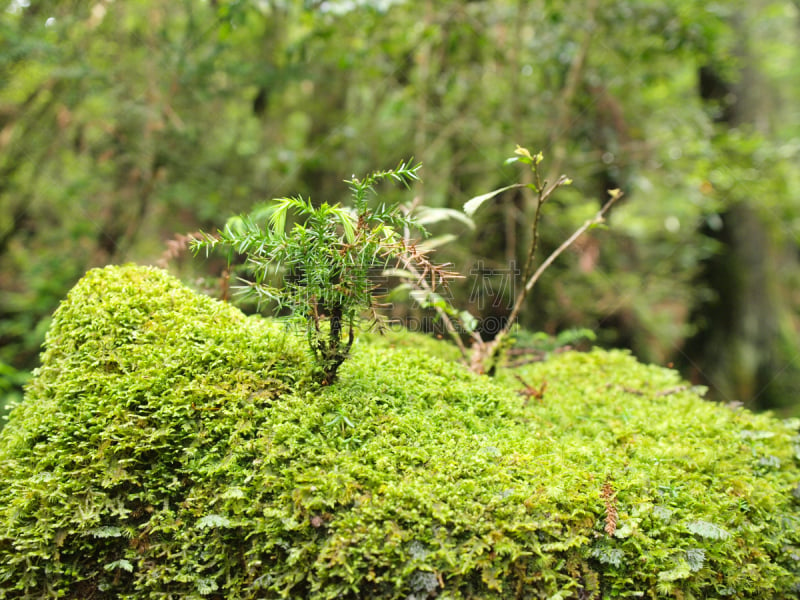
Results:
[170, 447]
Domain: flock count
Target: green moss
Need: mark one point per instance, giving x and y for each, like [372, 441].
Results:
[170, 447]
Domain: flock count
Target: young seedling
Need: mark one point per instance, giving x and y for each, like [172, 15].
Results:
[324, 260]
[486, 355]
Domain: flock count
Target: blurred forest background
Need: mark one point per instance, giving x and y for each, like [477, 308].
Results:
[125, 123]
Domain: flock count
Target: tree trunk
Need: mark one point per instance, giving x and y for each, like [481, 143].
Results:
[736, 350]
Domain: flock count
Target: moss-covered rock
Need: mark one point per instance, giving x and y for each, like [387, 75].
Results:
[170, 447]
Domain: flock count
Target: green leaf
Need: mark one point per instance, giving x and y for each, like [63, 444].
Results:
[433, 243]
[662, 512]
[398, 273]
[473, 204]
[233, 493]
[119, 564]
[468, 321]
[277, 221]
[428, 299]
[682, 571]
[695, 558]
[608, 556]
[523, 152]
[428, 216]
[708, 530]
[206, 586]
[212, 521]
[106, 532]
[235, 225]
[524, 155]
[345, 218]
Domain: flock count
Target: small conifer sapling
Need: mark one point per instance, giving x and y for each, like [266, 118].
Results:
[322, 263]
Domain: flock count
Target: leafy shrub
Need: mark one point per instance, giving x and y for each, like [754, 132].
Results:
[170, 447]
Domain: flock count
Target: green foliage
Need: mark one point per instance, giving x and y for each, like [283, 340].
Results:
[122, 123]
[326, 260]
[169, 446]
[486, 356]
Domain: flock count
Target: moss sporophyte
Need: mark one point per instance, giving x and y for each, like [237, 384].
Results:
[172, 447]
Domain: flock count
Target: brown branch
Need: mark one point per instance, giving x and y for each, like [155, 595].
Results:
[544, 195]
[596, 220]
[530, 392]
[535, 356]
[409, 258]
[489, 350]
[177, 247]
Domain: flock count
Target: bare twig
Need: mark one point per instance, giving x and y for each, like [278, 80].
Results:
[544, 195]
[483, 350]
[530, 392]
[596, 220]
[533, 355]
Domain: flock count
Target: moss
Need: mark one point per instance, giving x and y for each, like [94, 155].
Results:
[170, 447]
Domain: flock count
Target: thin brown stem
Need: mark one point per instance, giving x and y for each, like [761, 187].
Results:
[544, 194]
[486, 354]
[596, 220]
